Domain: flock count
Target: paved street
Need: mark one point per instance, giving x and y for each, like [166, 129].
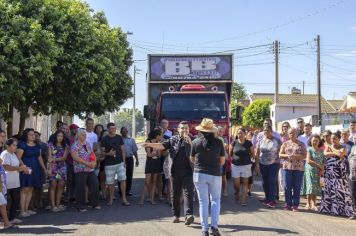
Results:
[155, 220]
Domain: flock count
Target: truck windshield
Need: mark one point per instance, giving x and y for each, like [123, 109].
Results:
[193, 106]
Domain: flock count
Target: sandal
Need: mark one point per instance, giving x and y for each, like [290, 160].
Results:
[125, 204]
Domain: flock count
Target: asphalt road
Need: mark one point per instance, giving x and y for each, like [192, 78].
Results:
[150, 220]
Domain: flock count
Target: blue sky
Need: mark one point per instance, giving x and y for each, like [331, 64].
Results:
[181, 26]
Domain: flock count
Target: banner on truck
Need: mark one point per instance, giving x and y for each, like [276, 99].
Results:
[190, 67]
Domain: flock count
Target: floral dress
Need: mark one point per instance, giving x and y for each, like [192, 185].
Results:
[336, 197]
[311, 183]
[58, 169]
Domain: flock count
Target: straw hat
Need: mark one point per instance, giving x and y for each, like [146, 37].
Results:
[207, 125]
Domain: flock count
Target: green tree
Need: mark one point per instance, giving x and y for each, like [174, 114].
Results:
[238, 92]
[124, 118]
[256, 112]
[59, 56]
[28, 53]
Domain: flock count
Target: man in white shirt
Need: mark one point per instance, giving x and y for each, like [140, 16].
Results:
[304, 138]
[91, 136]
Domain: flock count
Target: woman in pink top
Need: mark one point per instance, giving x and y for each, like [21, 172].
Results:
[293, 152]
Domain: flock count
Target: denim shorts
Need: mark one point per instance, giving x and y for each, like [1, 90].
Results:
[3, 200]
[111, 171]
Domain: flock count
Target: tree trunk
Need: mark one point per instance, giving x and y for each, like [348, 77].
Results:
[9, 120]
[23, 117]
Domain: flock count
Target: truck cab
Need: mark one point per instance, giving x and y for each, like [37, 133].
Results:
[189, 87]
[192, 103]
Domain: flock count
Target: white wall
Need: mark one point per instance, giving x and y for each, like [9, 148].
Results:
[284, 113]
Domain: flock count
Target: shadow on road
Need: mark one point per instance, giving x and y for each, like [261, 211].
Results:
[240, 228]
[134, 213]
[39, 230]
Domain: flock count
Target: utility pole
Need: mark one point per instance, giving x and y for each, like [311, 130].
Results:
[276, 86]
[303, 86]
[276, 83]
[318, 78]
[133, 129]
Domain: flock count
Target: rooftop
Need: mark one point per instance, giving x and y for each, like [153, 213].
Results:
[309, 99]
[336, 104]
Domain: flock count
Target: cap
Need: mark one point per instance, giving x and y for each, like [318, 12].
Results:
[73, 126]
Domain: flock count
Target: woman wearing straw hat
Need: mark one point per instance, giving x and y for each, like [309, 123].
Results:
[208, 155]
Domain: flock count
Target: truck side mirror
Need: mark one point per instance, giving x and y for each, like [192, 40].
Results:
[238, 114]
[146, 112]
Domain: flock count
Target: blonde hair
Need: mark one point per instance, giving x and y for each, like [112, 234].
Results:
[80, 132]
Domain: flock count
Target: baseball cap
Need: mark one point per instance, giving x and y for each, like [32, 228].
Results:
[73, 126]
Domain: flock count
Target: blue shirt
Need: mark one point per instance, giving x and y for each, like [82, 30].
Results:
[130, 146]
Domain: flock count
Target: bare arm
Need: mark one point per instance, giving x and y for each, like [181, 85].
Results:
[158, 146]
[19, 154]
[40, 160]
[192, 159]
[123, 154]
[282, 153]
[328, 152]
[311, 161]
[257, 155]
[230, 150]
[252, 152]
[222, 160]
[78, 159]
[14, 168]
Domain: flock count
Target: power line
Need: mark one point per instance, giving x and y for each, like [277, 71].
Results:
[254, 64]
[245, 48]
[293, 21]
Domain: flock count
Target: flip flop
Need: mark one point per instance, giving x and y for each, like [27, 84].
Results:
[11, 227]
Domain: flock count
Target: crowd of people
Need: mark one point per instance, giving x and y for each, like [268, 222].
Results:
[85, 164]
[80, 165]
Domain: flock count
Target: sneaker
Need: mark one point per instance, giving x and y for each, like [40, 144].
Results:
[189, 219]
[205, 233]
[295, 209]
[31, 212]
[16, 221]
[47, 208]
[62, 207]
[249, 194]
[270, 205]
[55, 209]
[352, 217]
[215, 231]
[24, 214]
[288, 208]
[175, 220]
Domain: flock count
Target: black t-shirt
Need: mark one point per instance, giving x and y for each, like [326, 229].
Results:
[112, 143]
[241, 154]
[207, 161]
[181, 162]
